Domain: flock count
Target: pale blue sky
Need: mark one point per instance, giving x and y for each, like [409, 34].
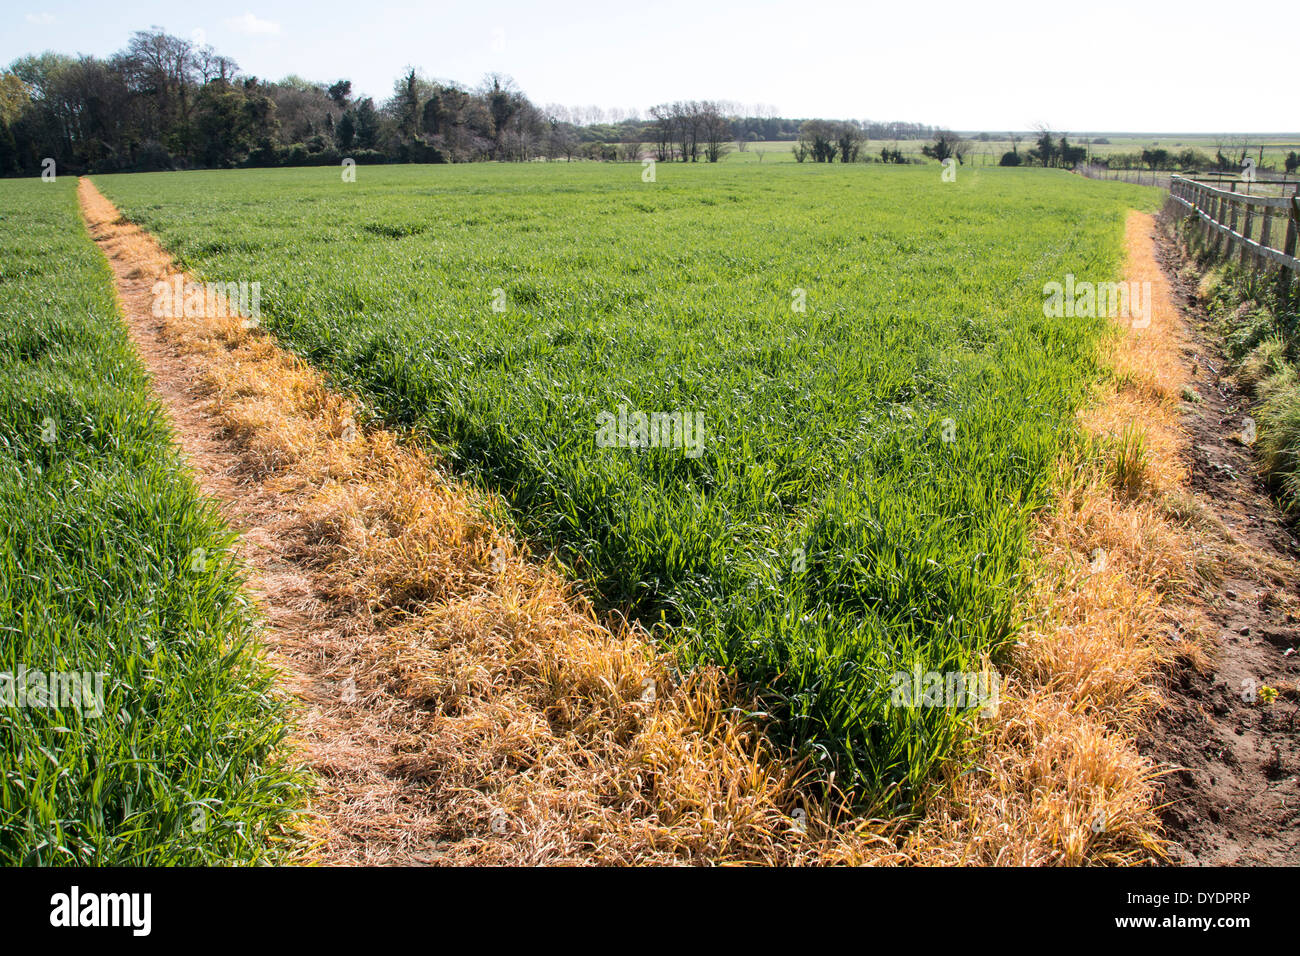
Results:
[1098, 65]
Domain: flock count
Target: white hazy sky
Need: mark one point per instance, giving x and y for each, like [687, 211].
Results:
[1097, 65]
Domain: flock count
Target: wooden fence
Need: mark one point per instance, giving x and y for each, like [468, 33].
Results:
[1142, 177]
[1262, 228]
[1265, 182]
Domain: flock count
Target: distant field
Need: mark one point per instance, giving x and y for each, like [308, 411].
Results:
[990, 152]
[158, 744]
[867, 467]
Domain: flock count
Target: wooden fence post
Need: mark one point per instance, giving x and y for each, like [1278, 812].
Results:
[1220, 216]
[1245, 231]
[1287, 277]
[1289, 245]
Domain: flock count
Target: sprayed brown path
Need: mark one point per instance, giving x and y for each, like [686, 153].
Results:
[314, 642]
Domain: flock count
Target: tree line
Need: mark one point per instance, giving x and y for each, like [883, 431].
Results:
[164, 102]
[1187, 159]
[1047, 151]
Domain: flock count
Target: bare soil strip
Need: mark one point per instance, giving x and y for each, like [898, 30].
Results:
[460, 704]
[1233, 790]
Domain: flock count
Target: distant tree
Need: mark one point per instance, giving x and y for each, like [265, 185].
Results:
[1070, 156]
[821, 139]
[1046, 151]
[345, 132]
[9, 159]
[1010, 158]
[850, 140]
[663, 126]
[406, 106]
[1155, 158]
[229, 122]
[522, 136]
[946, 145]
[715, 129]
[1191, 159]
[562, 139]
[339, 93]
[629, 151]
[302, 108]
[505, 104]
[367, 122]
[161, 68]
[431, 115]
[687, 121]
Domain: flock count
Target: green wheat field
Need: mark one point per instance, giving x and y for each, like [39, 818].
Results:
[880, 401]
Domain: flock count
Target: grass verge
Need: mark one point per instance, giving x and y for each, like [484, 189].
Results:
[1258, 315]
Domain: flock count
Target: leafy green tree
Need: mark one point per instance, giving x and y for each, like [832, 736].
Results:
[850, 141]
[407, 107]
[367, 124]
[8, 151]
[230, 121]
[1046, 151]
[13, 97]
[431, 117]
[339, 93]
[345, 132]
[1155, 158]
[946, 145]
[1070, 156]
[821, 140]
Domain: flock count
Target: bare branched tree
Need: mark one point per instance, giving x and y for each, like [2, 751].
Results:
[715, 129]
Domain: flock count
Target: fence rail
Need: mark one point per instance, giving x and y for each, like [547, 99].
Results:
[1252, 224]
[1264, 181]
[1142, 177]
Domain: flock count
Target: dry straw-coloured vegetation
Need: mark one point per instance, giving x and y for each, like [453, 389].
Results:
[496, 719]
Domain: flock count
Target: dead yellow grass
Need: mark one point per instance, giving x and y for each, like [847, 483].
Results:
[537, 733]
